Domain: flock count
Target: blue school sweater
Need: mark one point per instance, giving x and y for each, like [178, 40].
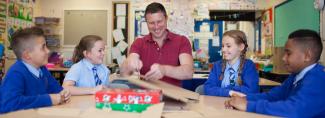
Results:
[21, 89]
[305, 99]
[249, 78]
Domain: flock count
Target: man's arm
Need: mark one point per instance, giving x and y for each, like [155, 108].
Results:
[182, 72]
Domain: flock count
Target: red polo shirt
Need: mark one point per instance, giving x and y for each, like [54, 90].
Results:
[168, 54]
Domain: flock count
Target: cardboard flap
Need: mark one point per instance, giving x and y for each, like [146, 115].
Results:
[153, 111]
[169, 90]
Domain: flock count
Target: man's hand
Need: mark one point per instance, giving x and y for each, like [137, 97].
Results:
[134, 63]
[131, 64]
[156, 72]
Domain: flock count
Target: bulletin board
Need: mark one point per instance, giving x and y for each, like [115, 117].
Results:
[120, 31]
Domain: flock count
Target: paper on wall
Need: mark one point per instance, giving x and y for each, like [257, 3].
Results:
[231, 26]
[144, 28]
[122, 45]
[118, 35]
[120, 10]
[215, 41]
[121, 22]
[115, 52]
[120, 59]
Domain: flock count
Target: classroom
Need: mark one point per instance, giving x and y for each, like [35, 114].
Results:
[162, 58]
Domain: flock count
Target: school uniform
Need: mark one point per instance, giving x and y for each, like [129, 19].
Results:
[26, 87]
[83, 74]
[216, 87]
[301, 95]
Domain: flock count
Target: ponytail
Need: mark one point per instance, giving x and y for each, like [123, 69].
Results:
[77, 54]
[224, 63]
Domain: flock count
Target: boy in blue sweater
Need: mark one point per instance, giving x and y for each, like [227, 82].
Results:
[303, 93]
[28, 83]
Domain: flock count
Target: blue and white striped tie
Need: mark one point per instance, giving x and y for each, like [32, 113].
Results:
[96, 78]
[232, 77]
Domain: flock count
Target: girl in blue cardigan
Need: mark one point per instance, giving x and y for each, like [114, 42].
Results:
[234, 73]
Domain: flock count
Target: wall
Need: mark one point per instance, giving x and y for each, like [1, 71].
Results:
[55, 8]
[249, 29]
[266, 4]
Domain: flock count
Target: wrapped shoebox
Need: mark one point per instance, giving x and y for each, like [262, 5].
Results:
[129, 100]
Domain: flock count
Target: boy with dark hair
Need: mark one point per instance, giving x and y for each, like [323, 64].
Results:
[302, 94]
[28, 83]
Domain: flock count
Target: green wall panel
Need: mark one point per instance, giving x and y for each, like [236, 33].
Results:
[293, 15]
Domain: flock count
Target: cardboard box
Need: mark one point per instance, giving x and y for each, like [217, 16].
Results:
[129, 100]
[154, 111]
[123, 107]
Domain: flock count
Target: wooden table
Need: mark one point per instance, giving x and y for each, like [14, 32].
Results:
[207, 105]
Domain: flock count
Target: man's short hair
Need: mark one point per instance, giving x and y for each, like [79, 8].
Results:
[155, 7]
[23, 39]
[308, 39]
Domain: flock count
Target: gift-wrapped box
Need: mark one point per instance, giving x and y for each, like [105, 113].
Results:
[129, 96]
[130, 100]
[123, 107]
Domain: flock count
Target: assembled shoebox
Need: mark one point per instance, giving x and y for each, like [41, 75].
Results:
[129, 100]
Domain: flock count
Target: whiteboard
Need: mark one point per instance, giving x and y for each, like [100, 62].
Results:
[78, 23]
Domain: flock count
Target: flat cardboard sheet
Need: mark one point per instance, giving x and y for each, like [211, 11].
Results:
[168, 90]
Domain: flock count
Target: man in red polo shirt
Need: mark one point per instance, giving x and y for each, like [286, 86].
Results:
[160, 54]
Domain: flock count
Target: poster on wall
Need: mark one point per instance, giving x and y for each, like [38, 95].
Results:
[141, 27]
[267, 32]
[20, 15]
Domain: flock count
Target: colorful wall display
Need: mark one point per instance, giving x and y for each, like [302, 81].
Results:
[267, 32]
[20, 15]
